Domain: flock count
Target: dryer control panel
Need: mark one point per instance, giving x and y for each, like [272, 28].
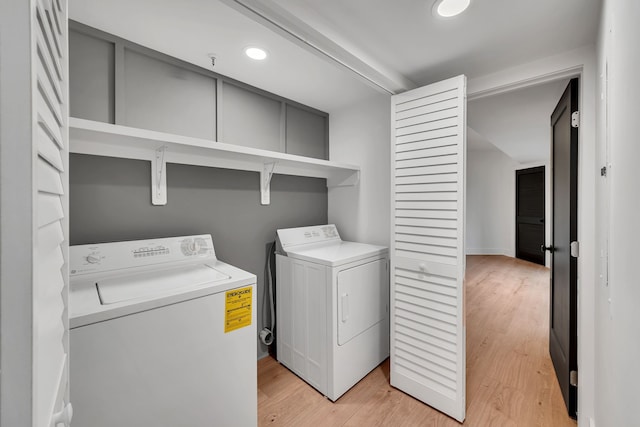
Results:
[113, 257]
[288, 238]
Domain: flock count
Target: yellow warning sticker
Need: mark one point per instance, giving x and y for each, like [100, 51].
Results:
[237, 309]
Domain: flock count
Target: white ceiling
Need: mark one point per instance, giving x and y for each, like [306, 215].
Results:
[517, 122]
[404, 36]
[395, 44]
[477, 142]
[398, 39]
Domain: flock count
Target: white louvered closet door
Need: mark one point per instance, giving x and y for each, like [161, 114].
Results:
[50, 276]
[427, 244]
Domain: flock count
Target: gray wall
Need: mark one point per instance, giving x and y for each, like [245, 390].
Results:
[110, 200]
[116, 81]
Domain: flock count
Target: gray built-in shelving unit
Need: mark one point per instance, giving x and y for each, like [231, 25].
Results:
[132, 102]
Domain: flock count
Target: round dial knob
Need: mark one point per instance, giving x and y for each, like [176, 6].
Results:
[93, 259]
[192, 247]
[189, 247]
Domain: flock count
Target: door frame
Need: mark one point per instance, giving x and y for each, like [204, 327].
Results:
[579, 63]
[16, 216]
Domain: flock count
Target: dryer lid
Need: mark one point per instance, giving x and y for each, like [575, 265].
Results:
[337, 253]
[150, 284]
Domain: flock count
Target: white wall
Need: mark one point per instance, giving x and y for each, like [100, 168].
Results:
[617, 317]
[360, 134]
[491, 202]
[490, 227]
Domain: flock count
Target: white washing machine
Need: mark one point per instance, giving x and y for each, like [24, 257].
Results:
[332, 307]
[162, 334]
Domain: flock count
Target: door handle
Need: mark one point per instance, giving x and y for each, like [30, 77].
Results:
[345, 308]
[546, 248]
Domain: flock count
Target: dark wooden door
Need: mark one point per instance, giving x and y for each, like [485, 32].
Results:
[563, 337]
[530, 214]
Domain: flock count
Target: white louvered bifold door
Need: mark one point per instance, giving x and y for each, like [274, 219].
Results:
[427, 244]
[51, 342]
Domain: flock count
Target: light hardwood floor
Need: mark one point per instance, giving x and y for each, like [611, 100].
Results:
[510, 378]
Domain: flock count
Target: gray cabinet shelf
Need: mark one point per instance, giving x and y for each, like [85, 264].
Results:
[103, 139]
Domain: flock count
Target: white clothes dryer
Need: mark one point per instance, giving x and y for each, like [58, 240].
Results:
[162, 334]
[332, 307]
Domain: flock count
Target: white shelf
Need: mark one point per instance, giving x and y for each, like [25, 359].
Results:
[103, 139]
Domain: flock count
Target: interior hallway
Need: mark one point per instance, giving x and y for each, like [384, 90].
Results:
[510, 378]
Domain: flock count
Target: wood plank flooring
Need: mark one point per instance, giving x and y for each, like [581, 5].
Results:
[510, 378]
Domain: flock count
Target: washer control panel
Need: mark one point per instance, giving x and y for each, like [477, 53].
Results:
[105, 257]
[194, 246]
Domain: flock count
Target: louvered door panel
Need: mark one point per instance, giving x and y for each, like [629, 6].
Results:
[48, 144]
[433, 146]
[34, 210]
[50, 376]
[427, 248]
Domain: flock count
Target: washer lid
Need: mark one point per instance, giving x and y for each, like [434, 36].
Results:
[151, 283]
[149, 290]
[337, 253]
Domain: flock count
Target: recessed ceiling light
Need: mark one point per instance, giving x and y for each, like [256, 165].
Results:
[256, 53]
[450, 8]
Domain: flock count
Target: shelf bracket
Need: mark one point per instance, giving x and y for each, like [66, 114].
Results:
[159, 177]
[349, 179]
[265, 182]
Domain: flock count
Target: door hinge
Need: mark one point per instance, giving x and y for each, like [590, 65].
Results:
[575, 119]
[573, 378]
[603, 171]
[575, 249]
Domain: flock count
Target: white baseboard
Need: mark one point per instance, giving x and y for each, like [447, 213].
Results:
[487, 251]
